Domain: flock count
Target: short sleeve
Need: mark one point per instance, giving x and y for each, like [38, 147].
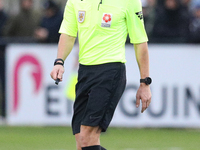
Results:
[69, 23]
[135, 22]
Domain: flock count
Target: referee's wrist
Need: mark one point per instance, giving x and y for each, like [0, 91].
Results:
[59, 61]
[143, 84]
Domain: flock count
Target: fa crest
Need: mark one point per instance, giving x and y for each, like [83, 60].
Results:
[81, 16]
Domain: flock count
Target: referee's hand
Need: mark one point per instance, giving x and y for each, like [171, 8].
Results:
[143, 94]
[57, 72]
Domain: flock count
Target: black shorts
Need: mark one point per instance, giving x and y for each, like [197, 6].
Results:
[98, 92]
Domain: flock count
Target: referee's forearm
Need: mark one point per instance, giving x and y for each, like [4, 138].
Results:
[65, 46]
[142, 56]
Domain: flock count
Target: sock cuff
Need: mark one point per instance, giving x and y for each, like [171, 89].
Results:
[95, 147]
[102, 148]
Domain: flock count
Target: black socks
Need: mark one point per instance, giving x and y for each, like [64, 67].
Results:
[102, 148]
[96, 147]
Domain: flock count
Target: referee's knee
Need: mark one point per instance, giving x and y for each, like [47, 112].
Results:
[79, 148]
[89, 136]
[78, 144]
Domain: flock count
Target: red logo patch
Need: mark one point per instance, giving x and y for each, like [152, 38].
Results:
[107, 18]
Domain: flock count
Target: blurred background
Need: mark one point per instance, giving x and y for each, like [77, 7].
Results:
[166, 21]
[35, 114]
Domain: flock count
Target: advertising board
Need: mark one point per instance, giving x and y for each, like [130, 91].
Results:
[32, 98]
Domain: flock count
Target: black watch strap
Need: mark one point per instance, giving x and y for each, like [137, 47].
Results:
[142, 80]
[59, 63]
[147, 80]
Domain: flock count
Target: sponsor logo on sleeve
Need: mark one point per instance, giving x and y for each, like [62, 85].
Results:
[140, 15]
[106, 20]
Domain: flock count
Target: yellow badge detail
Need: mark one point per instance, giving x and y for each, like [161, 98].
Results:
[81, 16]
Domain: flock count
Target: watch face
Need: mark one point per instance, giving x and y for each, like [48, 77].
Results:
[148, 80]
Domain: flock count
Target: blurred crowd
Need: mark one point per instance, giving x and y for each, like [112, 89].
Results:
[172, 21]
[30, 25]
[166, 21]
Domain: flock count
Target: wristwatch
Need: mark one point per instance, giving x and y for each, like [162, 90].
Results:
[146, 80]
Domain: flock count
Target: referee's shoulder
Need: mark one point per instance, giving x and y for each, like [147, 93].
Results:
[134, 3]
[76, 1]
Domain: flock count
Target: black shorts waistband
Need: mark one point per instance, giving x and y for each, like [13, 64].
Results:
[102, 65]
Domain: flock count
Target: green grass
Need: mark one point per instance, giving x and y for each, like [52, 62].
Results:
[61, 138]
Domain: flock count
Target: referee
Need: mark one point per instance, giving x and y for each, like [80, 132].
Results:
[102, 27]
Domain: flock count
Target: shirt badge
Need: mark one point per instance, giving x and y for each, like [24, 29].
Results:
[106, 20]
[81, 16]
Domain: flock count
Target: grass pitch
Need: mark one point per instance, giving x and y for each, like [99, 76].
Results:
[61, 138]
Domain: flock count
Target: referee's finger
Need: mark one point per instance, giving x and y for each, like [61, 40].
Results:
[60, 74]
[148, 103]
[54, 74]
[144, 106]
[137, 101]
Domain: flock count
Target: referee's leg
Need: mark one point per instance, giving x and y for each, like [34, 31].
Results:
[78, 142]
[88, 138]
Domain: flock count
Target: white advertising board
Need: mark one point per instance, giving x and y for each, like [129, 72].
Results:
[34, 99]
